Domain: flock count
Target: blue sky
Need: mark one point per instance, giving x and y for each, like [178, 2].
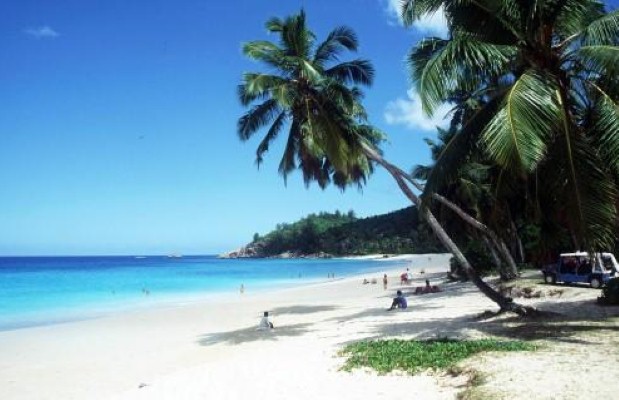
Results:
[117, 124]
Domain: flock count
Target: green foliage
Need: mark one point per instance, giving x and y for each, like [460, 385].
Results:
[313, 97]
[610, 293]
[535, 89]
[478, 255]
[416, 355]
[344, 234]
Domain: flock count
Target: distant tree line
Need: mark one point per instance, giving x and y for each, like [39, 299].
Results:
[345, 234]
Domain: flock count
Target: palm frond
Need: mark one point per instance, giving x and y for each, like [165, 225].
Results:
[260, 86]
[491, 21]
[601, 58]
[412, 10]
[421, 172]
[274, 24]
[440, 67]
[295, 37]
[605, 128]
[341, 94]
[271, 135]
[590, 193]
[266, 52]
[358, 72]
[341, 38]
[308, 70]
[516, 137]
[603, 31]
[460, 146]
[574, 16]
[287, 163]
[257, 117]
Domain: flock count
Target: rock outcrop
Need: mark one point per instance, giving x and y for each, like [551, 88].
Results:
[252, 250]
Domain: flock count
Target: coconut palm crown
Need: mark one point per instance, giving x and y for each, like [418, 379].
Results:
[545, 77]
[313, 96]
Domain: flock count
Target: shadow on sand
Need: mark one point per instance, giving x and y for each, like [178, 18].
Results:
[252, 334]
[577, 321]
[301, 309]
[562, 322]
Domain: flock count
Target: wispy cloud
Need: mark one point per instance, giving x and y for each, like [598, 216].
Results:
[434, 24]
[408, 112]
[42, 32]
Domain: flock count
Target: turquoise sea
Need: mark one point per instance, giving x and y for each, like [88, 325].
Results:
[45, 290]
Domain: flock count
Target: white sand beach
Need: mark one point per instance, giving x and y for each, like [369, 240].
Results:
[212, 350]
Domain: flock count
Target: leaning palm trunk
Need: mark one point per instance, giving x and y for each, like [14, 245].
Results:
[510, 270]
[504, 303]
[495, 256]
[519, 246]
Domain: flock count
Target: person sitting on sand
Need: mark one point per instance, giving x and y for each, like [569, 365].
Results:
[427, 289]
[265, 324]
[398, 302]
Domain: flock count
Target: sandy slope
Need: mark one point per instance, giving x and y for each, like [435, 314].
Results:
[212, 350]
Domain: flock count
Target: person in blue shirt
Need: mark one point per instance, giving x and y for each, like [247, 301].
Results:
[399, 301]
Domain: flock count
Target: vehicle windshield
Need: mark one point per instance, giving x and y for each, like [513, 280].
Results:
[609, 263]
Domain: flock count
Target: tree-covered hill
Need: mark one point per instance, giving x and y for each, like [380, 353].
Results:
[345, 234]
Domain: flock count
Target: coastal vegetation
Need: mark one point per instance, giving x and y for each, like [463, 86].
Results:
[533, 140]
[341, 234]
[533, 146]
[415, 356]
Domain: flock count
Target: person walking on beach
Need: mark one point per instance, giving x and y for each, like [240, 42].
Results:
[406, 277]
[385, 282]
[265, 324]
[398, 302]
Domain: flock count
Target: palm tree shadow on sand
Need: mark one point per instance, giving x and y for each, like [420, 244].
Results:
[252, 334]
[301, 309]
[581, 322]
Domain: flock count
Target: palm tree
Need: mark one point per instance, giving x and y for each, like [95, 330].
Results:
[545, 73]
[328, 137]
[312, 99]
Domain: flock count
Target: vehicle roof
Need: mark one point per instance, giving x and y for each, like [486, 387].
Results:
[577, 254]
[582, 254]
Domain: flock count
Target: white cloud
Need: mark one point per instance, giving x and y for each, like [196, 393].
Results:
[41, 32]
[434, 24]
[408, 112]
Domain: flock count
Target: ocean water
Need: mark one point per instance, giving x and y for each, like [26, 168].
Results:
[45, 290]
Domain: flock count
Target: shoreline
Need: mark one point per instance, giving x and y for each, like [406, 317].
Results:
[212, 349]
[104, 309]
[82, 359]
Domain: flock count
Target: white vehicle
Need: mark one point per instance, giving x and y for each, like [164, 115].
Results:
[582, 267]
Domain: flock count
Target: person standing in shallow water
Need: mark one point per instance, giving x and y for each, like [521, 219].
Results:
[242, 289]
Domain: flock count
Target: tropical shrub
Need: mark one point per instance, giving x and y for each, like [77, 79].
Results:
[414, 356]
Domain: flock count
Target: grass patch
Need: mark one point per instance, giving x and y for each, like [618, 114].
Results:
[418, 355]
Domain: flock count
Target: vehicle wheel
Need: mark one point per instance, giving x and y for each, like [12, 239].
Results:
[596, 283]
[550, 278]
